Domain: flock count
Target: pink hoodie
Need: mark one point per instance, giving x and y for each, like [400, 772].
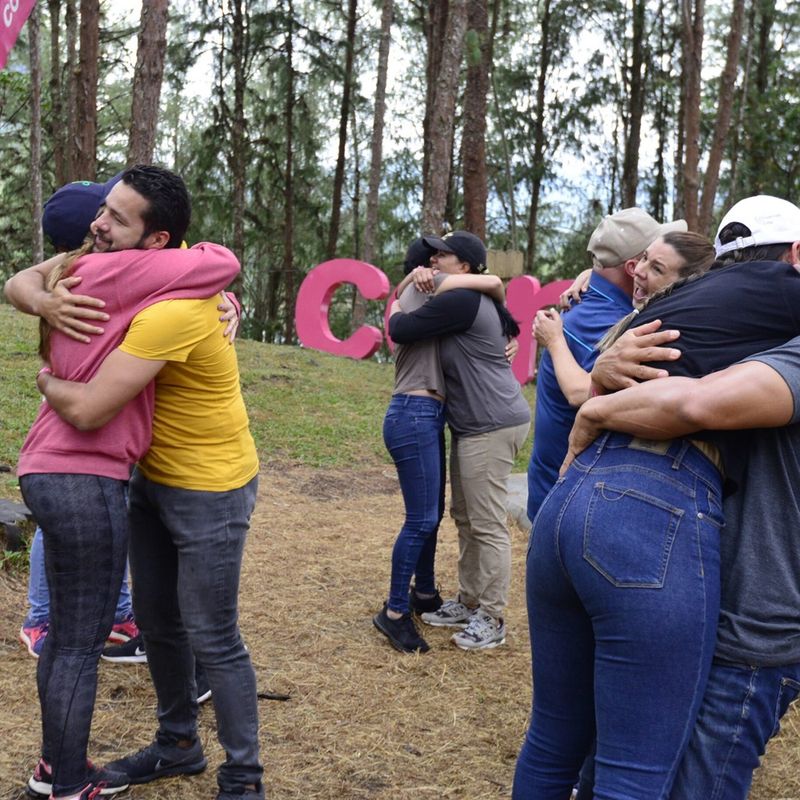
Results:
[127, 281]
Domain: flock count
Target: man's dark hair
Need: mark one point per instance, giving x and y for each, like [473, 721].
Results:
[735, 230]
[169, 207]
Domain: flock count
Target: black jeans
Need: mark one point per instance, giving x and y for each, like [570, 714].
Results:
[85, 525]
[186, 557]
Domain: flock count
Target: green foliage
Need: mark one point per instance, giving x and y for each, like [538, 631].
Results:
[13, 560]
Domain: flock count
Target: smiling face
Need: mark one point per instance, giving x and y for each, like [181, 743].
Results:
[448, 262]
[658, 268]
[119, 224]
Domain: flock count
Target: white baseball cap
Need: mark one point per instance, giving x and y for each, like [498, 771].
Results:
[770, 220]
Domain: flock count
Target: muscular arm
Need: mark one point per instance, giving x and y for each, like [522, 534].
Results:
[65, 311]
[91, 405]
[748, 395]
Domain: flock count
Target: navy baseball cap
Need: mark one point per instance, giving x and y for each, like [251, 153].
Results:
[418, 255]
[467, 246]
[70, 210]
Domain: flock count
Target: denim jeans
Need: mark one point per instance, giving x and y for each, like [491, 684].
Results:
[413, 431]
[39, 594]
[186, 557]
[623, 598]
[85, 526]
[741, 711]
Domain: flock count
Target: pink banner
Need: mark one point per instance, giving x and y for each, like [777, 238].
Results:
[13, 14]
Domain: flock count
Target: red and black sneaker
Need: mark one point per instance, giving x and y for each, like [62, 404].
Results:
[102, 782]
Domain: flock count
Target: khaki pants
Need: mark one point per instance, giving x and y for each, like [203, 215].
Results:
[479, 470]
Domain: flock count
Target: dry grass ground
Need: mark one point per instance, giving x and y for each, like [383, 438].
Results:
[363, 721]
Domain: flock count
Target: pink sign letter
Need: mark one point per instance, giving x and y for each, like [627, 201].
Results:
[314, 299]
[524, 297]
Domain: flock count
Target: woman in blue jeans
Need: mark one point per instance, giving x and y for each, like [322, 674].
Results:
[413, 431]
[622, 576]
[623, 564]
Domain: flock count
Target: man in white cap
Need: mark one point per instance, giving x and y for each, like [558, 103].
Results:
[616, 246]
[756, 669]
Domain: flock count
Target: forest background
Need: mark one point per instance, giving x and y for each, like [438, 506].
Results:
[312, 130]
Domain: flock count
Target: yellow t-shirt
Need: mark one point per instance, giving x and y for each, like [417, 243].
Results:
[201, 434]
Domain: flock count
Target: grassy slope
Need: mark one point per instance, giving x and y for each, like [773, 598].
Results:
[305, 407]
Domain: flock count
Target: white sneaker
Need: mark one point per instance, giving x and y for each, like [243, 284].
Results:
[482, 633]
[451, 614]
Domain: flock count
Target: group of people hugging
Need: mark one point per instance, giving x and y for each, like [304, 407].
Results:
[662, 572]
[663, 577]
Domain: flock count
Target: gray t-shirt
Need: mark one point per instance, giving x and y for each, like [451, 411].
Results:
[482, 393]
[760, 545]
[416, 365]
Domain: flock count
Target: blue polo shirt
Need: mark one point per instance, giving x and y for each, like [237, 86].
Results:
[602, 306]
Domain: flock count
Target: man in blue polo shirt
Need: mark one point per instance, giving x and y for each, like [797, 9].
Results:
[616, 246]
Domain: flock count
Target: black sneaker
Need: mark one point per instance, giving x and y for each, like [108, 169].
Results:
[160, 759]
[244, 794]
[402, 633]
[40, 784]
[132, 652]
[422, 605]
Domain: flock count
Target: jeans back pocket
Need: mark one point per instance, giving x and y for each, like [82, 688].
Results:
[628, 535]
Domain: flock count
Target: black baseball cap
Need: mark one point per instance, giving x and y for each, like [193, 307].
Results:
[70, 210]
[417, 255]
[467, 246]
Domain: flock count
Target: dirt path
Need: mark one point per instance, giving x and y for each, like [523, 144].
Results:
[363, 721]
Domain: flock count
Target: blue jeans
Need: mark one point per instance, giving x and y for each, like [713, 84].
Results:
[39, 594]
[85, 527]
[413, 431]
[186, 557]
[623, 598]
[741, 711]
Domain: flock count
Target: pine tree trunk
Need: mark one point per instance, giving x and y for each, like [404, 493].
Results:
[537, 168]
[238, 153]
[338, 178]
[37, 244]
[739, 129]
[86, 138]
[722, 123]
[288, 186]
[442, 120]
[376, 154]
[434, 26]
[630, 168]
[692, 19]
[71, 110]
[474, 137]
[56, 130]
[147, 79]
[376, 147]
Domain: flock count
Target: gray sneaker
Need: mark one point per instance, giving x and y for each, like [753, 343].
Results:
[482, 633]
[451, 614]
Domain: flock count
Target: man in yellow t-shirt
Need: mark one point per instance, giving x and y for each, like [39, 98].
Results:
[191, 499]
